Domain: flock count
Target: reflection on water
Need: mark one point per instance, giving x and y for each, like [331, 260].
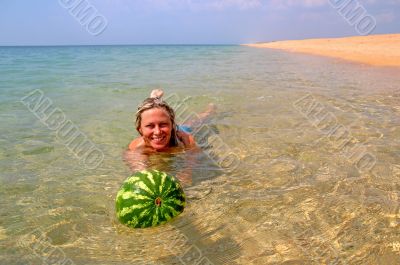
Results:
[295, 198]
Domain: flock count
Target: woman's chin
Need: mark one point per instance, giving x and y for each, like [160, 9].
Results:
[159, 146]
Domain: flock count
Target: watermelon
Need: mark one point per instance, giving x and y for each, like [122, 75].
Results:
[149, 198]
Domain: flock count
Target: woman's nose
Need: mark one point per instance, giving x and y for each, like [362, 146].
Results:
[157, 130]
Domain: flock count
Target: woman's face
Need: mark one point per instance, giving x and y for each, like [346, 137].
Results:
[156, 128]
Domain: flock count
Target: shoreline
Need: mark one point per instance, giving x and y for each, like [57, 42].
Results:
[376, 50]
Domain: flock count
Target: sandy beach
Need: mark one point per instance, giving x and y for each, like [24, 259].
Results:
[378, 50]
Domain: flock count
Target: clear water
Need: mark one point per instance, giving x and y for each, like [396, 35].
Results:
[290, 196]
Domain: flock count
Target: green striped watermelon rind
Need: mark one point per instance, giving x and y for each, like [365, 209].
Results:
[136, 202]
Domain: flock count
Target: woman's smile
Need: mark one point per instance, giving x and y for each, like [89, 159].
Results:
[158, 139]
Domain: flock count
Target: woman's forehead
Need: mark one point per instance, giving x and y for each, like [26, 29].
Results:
[155, 114]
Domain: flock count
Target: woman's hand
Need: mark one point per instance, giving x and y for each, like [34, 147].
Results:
[156, 93]
[135, 160]
[185, 178]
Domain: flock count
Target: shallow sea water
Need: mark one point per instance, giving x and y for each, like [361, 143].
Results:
[275, 183]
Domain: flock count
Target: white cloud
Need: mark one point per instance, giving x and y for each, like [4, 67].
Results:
[385, 17]
[241, 4]
[291, 3]
[204, 4]
[311, 17]
[219, 5]
[187, 4]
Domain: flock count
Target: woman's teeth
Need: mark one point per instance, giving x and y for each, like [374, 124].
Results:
[158, 138]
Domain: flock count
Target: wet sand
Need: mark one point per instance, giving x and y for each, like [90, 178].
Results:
[378, 50]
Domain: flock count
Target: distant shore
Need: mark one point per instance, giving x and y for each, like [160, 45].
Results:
[378, 50]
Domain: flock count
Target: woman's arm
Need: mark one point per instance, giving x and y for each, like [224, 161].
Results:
[135, 159]
[187, 140]
[191, 154]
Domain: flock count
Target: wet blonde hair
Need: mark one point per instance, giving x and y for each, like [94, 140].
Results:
[150, 103]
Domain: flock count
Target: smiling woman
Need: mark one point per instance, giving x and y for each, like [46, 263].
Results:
[155, 122]
[159, 133]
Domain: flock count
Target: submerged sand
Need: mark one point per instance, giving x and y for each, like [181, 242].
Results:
[378, 50]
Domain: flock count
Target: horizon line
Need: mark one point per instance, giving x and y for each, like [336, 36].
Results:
[78, 45]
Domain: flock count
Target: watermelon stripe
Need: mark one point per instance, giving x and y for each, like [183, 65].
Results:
[172, 202]
[172, 193]
[166, 187]
[159, 183]
[148, 180]
[155, 217]
[132, 180]
[129, 203]
[144, 186]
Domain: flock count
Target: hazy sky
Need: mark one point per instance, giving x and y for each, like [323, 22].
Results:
[63, 22]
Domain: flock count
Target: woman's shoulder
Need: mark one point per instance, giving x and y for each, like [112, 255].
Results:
[187, 139]
[136, 143]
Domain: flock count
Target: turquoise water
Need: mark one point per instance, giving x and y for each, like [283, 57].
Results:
[289, 195]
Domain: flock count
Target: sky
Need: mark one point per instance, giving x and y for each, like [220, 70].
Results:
[107, 22]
